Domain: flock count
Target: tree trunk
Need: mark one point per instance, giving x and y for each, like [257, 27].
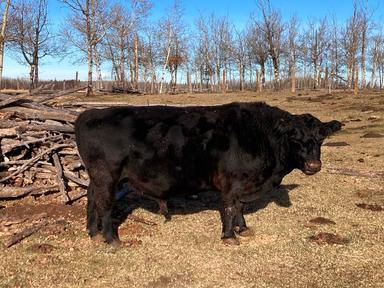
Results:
[31, 76]
[201, 81]
[120, 72]
[224, 82]
[356, 82]
[89, 90]
[349, 76]
[98, 69]
[2, 38]
[190, 91]
[293, 77]
[36, 76]
[363, 56]
[165, 62]
[262, 75]
[373, 75]
[258, 82]
[175, 83]
[275, 62]
[241, 72]
[136, 71]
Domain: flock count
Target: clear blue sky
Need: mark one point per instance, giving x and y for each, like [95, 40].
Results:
[237, 10]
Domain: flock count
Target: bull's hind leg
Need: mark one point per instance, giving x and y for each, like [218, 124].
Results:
[93, 221]
[102, 195]
[104, 204]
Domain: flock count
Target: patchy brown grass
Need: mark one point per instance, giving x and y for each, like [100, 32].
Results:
[187, 251]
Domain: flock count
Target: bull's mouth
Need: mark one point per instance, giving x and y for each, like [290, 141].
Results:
[311, 167]
[309, 172]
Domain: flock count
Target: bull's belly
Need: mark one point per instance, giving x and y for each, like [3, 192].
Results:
[258, 190]
[164, 185]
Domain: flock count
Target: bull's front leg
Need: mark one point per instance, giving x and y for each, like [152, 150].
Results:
[240, 225]
[228, 217]
[223, 182]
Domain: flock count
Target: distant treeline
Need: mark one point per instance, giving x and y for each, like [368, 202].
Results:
[211, 54]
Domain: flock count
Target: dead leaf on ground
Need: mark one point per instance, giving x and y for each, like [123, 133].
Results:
[321, 220]
[323, 238]
[372, 207]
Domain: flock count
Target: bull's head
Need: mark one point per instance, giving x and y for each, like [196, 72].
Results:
[305, 134]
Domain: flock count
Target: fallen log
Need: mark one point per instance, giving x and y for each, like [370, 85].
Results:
[33, 160]
[22, 127]
[16, 144]
[28, 113]
[75, 179]
[59, 178]
[61, 93]
[18, 192]
[24, 234]
[8, 132]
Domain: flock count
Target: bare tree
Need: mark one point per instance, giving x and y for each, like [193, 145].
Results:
[350, 41]
[31, 37]
[221, 35]
[334, 52]
[377, 59]
[85, 30]
[202, 52]
[317, 39]
[272, 27]
[239, 54]
[116, 42]
[258, 49]
[172, 42]
[292, 51]
[365, 27]
[150, 56]
[2, 37]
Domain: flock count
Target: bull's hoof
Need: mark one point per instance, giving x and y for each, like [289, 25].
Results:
[246, 233]
[231, 241]
[116, 243]
[98, 238]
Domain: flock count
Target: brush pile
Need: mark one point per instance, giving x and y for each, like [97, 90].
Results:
[38, 154]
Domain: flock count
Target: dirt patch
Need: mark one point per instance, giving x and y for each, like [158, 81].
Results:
[52, 210]
[321, 220]
[41, 248]
[328, 238]
[336, 144]
[372, 207]
[373, 135]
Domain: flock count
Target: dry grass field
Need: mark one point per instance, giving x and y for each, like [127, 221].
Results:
[286, 250]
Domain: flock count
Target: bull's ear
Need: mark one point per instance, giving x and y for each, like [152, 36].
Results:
[329, 128]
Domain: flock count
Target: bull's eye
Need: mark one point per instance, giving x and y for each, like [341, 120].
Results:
[309, 144]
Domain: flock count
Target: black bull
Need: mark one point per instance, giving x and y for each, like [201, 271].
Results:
[242, 150]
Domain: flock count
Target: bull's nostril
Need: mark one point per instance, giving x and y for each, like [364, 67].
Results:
[313, 165]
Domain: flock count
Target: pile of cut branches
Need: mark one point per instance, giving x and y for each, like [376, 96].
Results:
[38, 153]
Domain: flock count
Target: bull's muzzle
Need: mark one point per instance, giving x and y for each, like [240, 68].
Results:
[311, 167]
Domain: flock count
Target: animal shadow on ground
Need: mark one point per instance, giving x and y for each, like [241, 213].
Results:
[128, 201]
